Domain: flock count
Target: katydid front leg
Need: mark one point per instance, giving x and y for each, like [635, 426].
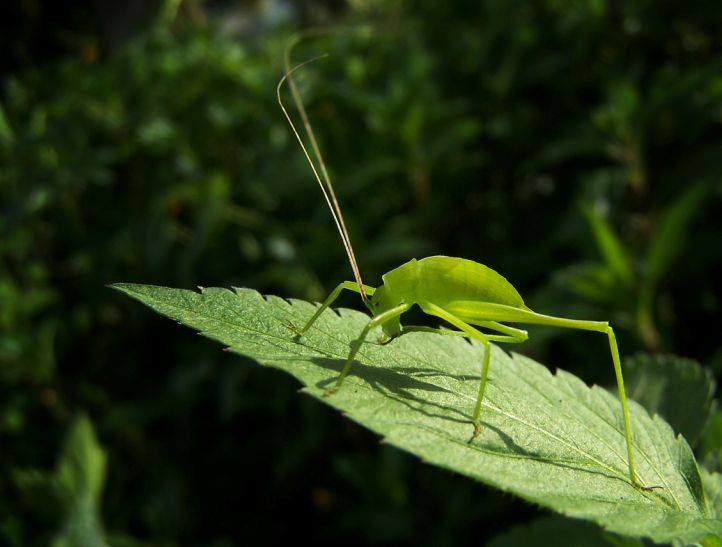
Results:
[345, 285]
[356, 344]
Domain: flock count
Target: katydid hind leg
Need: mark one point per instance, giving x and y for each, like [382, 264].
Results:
[605, 328]
[406, 329]
[625, 410]
[449, 332]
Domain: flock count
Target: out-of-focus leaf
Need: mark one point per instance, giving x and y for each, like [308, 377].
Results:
[711, 541]
[6, 132]
[712, 483]
[610, 246]
[671, 232]
[711, 441]
[80, 478]
[81, 471]
[37, 488]
[560, 532]
[73, 490]
[678, 389]
[590, 280]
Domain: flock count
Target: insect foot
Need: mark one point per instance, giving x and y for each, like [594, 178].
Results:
[477, 431]
[330, 391]
[643, 488]
[293, 328]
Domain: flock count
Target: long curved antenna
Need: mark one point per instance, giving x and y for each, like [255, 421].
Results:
[324, 180]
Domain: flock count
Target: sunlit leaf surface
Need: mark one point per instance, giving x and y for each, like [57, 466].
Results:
[547, 438]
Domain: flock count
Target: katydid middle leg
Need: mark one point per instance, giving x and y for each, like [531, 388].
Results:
[472, 332]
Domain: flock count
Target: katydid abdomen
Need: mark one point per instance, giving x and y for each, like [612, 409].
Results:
[441, 279]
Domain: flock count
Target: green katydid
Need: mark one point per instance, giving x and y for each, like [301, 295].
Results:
[465, 294]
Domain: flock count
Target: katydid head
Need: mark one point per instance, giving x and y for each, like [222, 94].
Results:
[382, 301]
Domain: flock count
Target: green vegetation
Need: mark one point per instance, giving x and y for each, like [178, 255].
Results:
[573, 146]
[552, 441]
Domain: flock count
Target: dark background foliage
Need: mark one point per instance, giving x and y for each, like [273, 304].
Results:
[575, 146]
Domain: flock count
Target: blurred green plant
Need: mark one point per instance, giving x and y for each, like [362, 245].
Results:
[616, 282]
[73, 491]
[472, 129]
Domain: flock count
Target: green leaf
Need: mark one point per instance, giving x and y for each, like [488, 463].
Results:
[593, 281]
[6, 131]
[560, 532]
[710, 449]
[73, 490]
[678, 389]
[81, 471]
[713, 486]
[671, 232]
[666, 244]
[547, 438]
[711, 541]
[712, 483]
[610, 246]
[80, 478]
